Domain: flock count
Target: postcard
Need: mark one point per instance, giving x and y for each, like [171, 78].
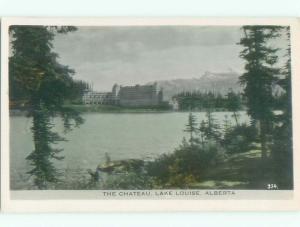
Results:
[149, 114]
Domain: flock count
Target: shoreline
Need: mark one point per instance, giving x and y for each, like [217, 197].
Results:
[116, 109]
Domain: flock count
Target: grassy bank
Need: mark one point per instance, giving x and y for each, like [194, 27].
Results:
[237, 172]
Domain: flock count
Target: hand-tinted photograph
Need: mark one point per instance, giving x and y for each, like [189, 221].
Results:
[150, 107]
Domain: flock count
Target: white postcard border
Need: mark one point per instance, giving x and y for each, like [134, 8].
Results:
[137, 205]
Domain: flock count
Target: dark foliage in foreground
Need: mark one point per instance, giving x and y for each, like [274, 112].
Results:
[42, 84]
[240, 138]
[184, 166]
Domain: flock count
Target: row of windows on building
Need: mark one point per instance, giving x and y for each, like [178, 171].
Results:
[138, 95]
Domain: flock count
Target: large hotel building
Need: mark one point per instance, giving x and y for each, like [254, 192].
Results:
[130, 96]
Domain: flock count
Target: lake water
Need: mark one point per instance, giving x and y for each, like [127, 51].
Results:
[121, 135]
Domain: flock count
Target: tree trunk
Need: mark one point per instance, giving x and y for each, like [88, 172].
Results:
[263, 140]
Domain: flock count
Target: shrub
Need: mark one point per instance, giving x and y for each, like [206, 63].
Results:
[239, 138]
[184, 166]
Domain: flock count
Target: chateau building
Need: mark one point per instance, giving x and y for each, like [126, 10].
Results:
[127, 96]
[140, 95]
[104, 98]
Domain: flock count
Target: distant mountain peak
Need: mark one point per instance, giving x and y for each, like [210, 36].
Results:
[209, 81]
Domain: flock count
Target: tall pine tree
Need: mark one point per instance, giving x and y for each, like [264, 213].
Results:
[260, 74]
[191, 128]
[282, 151]
[37, 77]
[233, 104]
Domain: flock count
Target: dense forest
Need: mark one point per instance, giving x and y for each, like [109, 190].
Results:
[200, 101]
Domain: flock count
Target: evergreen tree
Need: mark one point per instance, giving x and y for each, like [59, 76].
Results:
[77, 89]
[259, 77]
[45, 84]
[210, 129]
[282, 151]
[233, 104]
[200, 100]
[226, 125]
[191, 128]
[202, 132]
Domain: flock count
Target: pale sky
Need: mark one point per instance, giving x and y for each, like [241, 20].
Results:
[137, 55]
